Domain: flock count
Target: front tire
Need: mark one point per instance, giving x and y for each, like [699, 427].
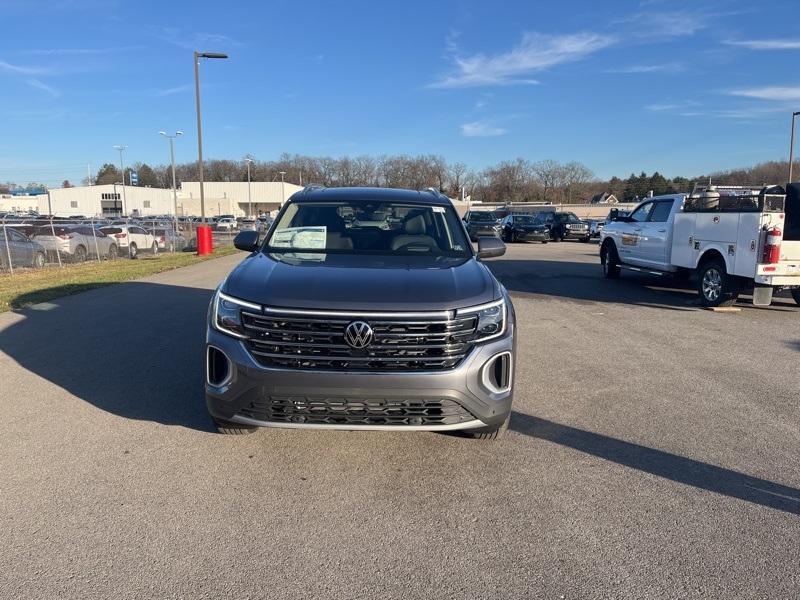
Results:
[39, 260]
[715, 286]
[113, 252]
[154, 248]
[228, 428]
[133, 251]
[80, 254]
[609, 259]
[491, 433]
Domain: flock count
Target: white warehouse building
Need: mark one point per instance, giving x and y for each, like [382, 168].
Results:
[221, 198]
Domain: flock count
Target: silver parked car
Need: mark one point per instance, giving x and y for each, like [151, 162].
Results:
[75, 242]
[132, 239]
[22, 251]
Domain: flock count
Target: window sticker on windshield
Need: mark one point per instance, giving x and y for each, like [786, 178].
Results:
[300, 237]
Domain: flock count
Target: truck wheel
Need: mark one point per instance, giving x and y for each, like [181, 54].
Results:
[228, 428]
[796, 296]
[715, 286]
[491, 433]
[609, 259]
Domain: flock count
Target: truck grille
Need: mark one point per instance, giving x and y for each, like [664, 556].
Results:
[322, 410]
[305, 341]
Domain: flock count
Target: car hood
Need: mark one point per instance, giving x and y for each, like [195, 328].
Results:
[342, 281]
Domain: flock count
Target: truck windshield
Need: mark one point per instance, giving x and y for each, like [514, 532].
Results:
[364, 227]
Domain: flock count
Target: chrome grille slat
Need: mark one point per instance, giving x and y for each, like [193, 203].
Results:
[406, 343]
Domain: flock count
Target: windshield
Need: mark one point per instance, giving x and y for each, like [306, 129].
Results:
[359, 227]
[482, 216]
[568, 218]
[523, 220]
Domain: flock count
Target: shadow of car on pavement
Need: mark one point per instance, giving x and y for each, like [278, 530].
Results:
[135, 349]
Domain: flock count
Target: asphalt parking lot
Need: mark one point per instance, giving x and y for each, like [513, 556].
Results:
[653, 453]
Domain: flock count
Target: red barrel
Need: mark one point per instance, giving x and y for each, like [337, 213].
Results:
[205, 241]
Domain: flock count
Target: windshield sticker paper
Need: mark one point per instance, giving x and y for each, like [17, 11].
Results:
[300, 237]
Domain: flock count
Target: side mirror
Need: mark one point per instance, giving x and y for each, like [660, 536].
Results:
[490, 247]
[246, 240]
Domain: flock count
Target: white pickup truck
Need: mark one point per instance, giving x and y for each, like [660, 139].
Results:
[732, 238]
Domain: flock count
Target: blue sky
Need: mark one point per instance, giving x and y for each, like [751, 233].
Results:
[679, 87]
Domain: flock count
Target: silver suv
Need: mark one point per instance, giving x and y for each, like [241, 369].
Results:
[363, 309]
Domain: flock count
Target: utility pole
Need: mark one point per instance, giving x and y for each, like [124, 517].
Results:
[283, 188]
[171, 138]
[249, 196]
[122, 170]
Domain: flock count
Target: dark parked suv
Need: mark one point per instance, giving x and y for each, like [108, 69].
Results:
[362, 309]
[482, 222]
[566, 226]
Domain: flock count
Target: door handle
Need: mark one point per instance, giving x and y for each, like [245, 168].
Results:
[662, 231]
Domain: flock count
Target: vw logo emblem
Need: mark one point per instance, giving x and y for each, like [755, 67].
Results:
[358, 334]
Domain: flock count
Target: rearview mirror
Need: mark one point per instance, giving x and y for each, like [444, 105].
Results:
[246, 240]
[490, 247]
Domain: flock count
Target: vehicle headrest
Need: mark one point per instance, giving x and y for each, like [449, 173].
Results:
[416, 225]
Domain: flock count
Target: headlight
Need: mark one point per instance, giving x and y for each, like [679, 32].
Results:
[491, 319]
[227, 314]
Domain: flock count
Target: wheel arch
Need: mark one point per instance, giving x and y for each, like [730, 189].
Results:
[712, 253]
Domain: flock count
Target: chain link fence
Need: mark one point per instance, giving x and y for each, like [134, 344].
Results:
[39, 242]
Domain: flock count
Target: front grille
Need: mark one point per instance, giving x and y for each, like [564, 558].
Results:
[320, 410]
[398, 344]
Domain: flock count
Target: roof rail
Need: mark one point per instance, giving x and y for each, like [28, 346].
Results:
[313, 186]
[434, 191]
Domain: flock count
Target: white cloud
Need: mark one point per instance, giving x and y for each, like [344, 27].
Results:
[638, 69]
[667, 24]
[779, 93]
[4, 66]
[785, 44]
[536, 52]
[40, 85]
[80, 51]
[481, 129]
[178, 89]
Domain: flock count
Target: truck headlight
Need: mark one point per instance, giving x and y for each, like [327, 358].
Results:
[227, 316]
[491, 319]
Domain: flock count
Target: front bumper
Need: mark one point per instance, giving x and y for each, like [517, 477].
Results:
[484, 232]
[532, 236]
[249, 382]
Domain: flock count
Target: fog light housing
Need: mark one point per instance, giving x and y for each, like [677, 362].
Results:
[496, 374]
[218, 367]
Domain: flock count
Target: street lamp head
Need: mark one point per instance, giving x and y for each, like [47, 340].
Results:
[249, 160]
[164, 133]
[211, 55]
[178, 133]
[794, 114]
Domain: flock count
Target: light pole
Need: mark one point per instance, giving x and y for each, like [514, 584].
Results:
[197, 57]
[249, 197]
[122, 170]
[171, 139]
[791, 147]
[283, 188]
